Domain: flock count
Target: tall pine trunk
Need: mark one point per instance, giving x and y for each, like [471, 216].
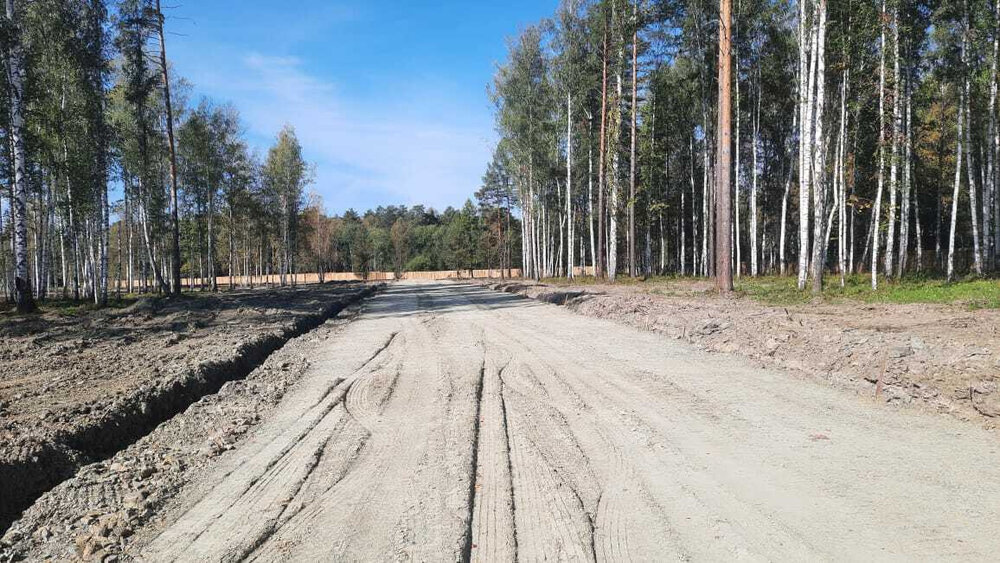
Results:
[723, 206]
[174, 218]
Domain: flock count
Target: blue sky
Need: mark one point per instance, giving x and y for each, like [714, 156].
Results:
[388, 97]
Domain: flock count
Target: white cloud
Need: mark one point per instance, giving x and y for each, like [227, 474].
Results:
[399, 149]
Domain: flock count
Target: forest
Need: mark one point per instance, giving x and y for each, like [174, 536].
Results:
[863, 138]
[864, 141]
[120, 182]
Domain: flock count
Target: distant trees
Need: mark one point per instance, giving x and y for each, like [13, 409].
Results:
[400, 236]
[87, 103]
[401, 239]
[862, 131]
[285, 175]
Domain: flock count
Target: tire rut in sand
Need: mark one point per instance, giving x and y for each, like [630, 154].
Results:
[554, 490]
[492, 535]
[623, 502]
[253, 501]
[639, 444]
[403, 498]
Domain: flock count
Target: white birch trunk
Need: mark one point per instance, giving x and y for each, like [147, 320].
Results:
[819, 153]
[890, 237]
[754, 230]
[906, 197]
[842, 183]
[19, 197]
[877, 209]
[805, 148]
[590, 200]
[569, 185]
[990, 185]
[958, 182]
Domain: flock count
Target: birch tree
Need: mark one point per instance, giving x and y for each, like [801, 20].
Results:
[19, 199]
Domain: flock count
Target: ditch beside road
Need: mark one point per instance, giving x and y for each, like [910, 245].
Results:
[77, 386]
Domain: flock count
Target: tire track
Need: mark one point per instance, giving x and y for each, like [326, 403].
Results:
[474, 463]
[259, 489]
[548, 471]
[693, 494]
[382, 509]
[493, 535]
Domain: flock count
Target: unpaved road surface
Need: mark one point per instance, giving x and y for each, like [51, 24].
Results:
[451, 422]
[943, 358]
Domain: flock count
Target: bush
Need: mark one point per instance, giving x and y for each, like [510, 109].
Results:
[419, 263]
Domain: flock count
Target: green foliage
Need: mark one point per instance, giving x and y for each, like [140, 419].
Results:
[783, 291]
[419, 263]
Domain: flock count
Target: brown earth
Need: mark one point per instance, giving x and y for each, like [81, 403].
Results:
[77, 387]
[942, 357]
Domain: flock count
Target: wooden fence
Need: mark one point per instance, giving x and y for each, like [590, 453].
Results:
[308, 278]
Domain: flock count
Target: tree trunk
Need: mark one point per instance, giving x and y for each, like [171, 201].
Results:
[977, 257]
[894, 159]
[602, 157]
[174, 218]
[807, 50]
[615, 146]
[877, 209]
[739, 169]
[569, 185]
[842, 182]
[907, 196]
[723, 203]
[631, 201]
[754, 226]
[19, 192]
[819, 155]
[958, 180]
[590, 193]
[992, 143]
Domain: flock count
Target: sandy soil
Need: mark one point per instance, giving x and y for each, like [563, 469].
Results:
[945, 358]
[449, 422]
[77, 388]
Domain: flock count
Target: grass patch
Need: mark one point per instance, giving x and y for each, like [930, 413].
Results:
[976, 293]
[782, 291]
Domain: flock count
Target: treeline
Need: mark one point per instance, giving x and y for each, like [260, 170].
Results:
[111, 178]
[864, 137]
[401, 239]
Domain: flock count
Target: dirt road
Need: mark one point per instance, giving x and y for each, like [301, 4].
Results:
[452, 422]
